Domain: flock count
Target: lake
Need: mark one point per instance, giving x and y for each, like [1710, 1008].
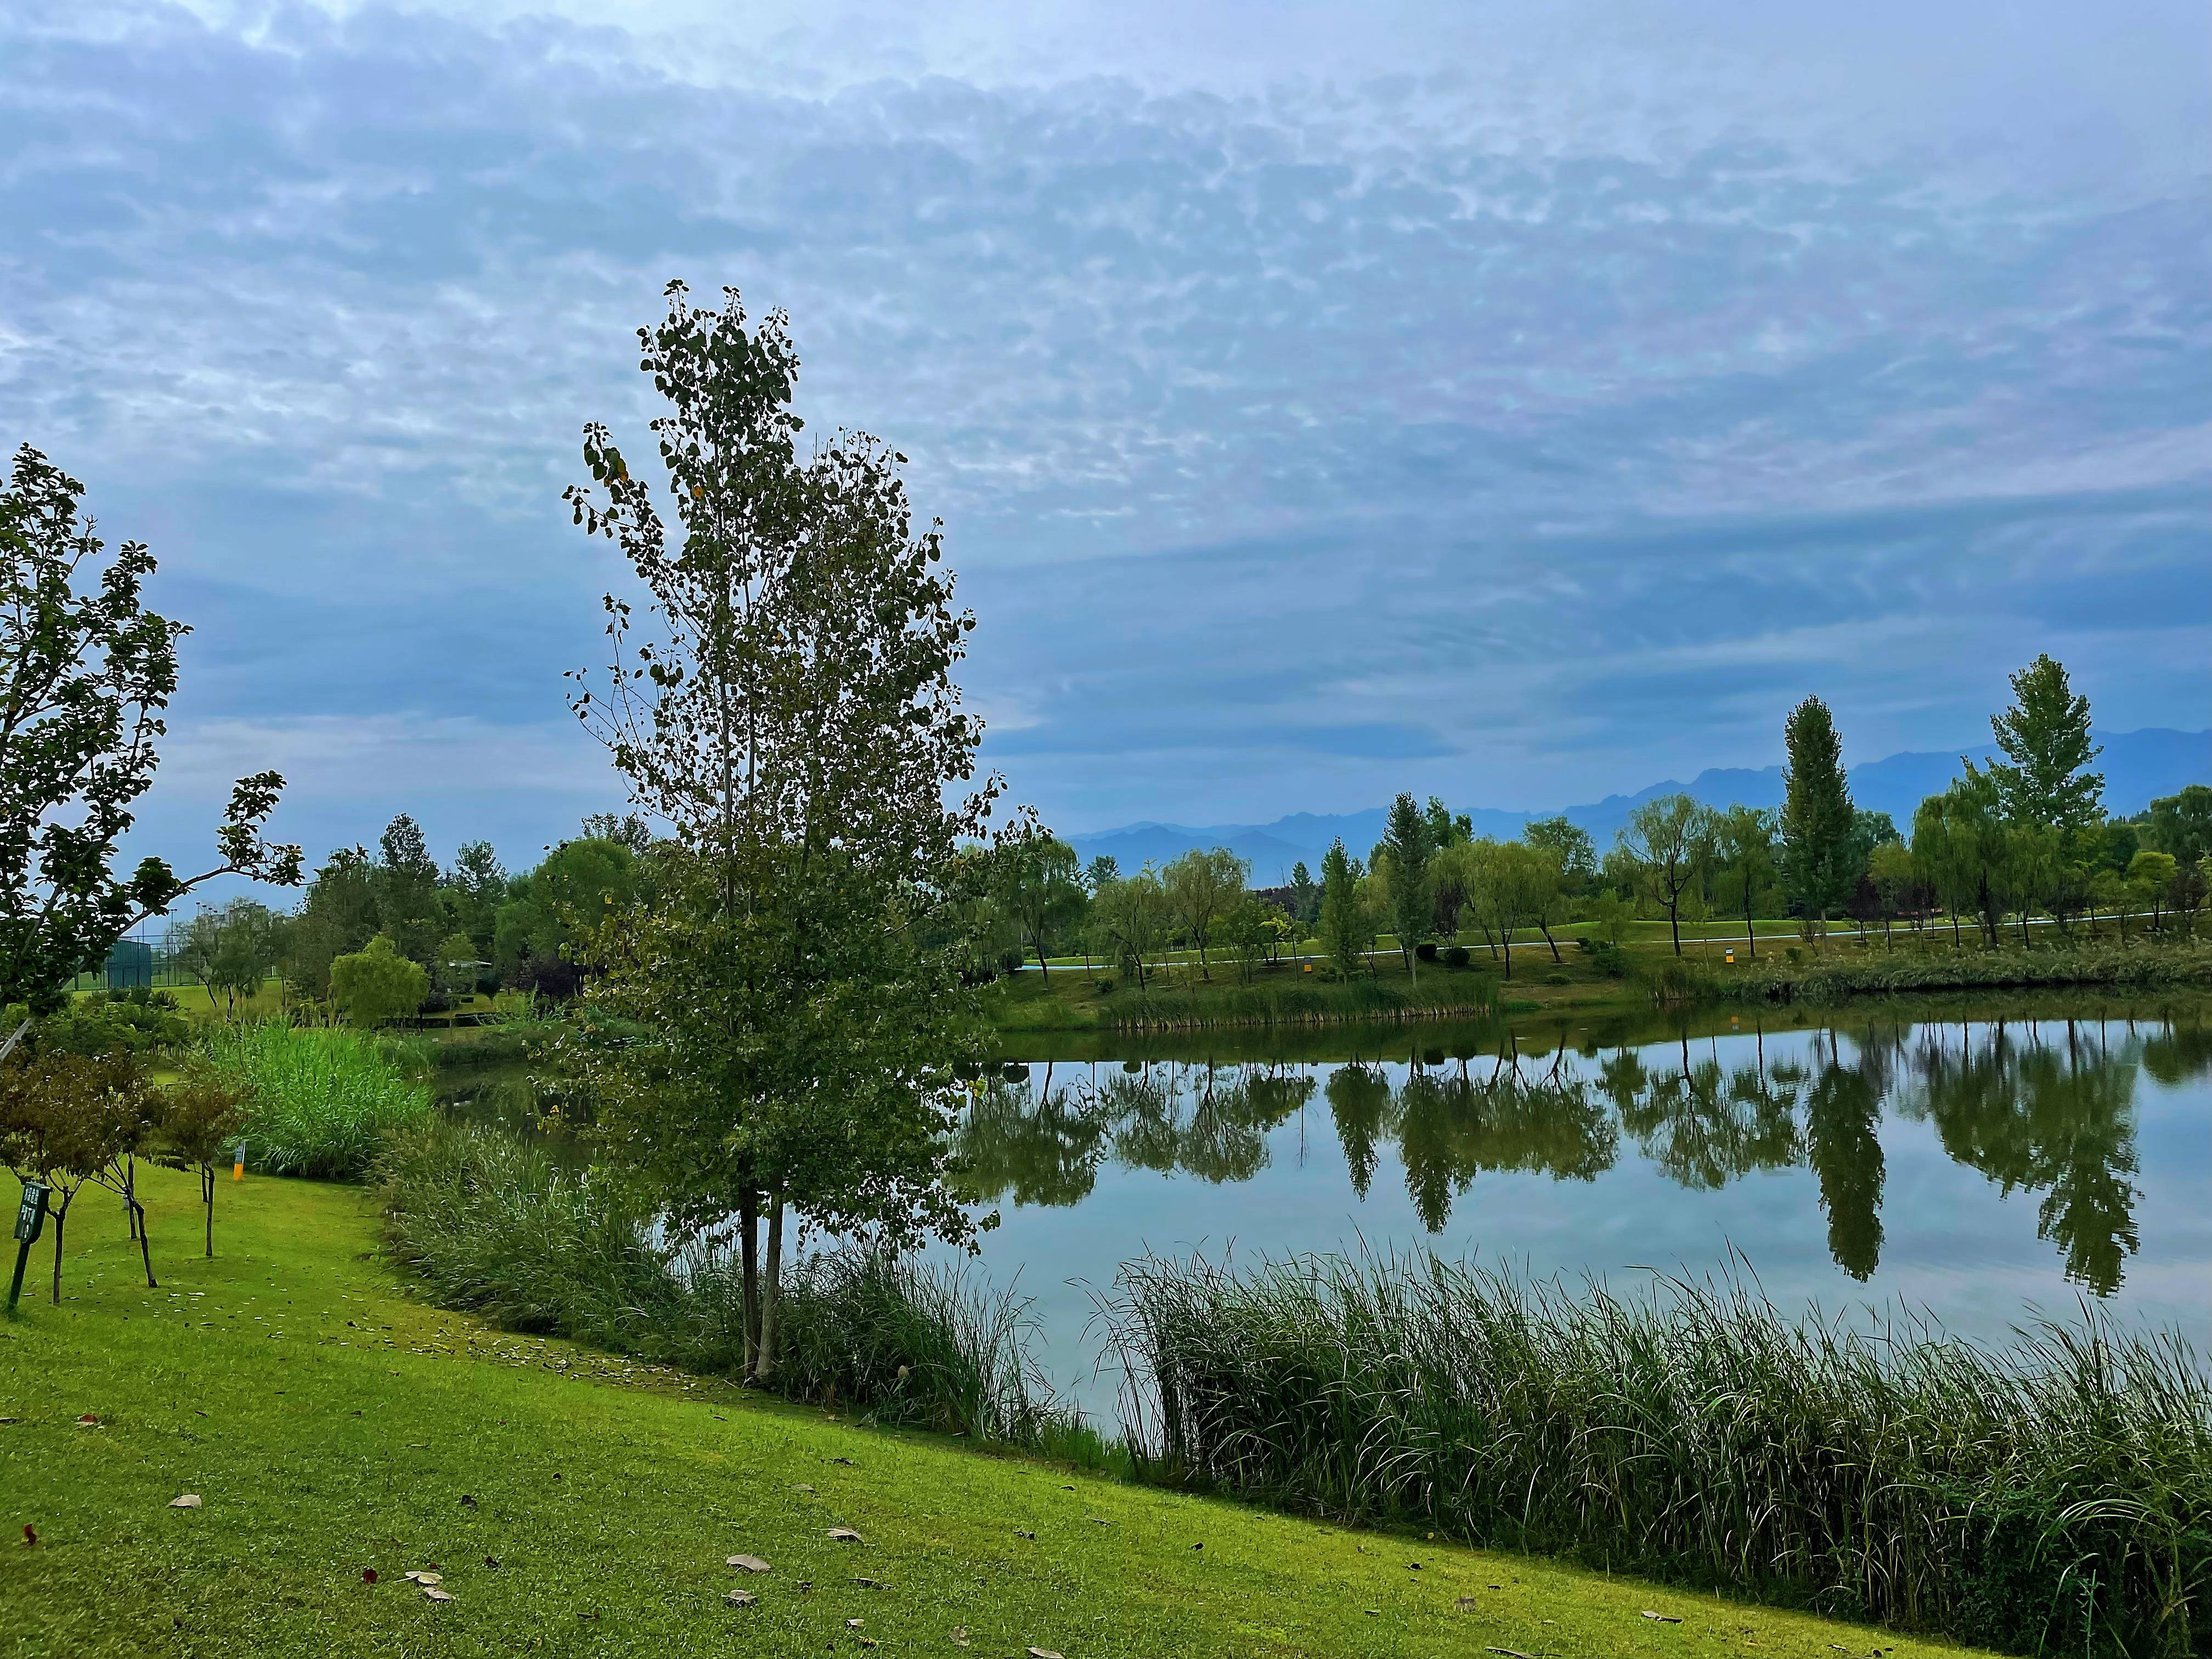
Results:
[1976, 1169]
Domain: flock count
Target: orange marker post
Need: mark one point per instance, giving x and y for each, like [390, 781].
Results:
[238, 1169]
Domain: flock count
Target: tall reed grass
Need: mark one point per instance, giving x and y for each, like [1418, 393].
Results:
[502, 1228]
[324, 1098]
[2054, 1499]
[2141, 966]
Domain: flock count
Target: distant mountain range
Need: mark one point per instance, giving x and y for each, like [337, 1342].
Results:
[2139, 767]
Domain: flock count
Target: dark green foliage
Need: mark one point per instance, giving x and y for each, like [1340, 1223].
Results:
[1456, 956]
[2044, 780]
[1820, 849]
[2181, 825]
[2050, 1498]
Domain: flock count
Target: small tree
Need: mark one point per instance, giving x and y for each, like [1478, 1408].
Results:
[67, 1120]
[1743, 841]
[1668, 839]
[1202, 888]
[1571, 846]
[1130, 921]
[196, 1119]
[86, 675]
[1249, 934]
[376, 984]
[1819, 850]
[2151, 878]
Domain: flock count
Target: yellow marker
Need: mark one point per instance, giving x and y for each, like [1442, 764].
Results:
[238, 1169]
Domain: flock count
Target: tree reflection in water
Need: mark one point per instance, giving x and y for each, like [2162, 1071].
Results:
[2043, 1109]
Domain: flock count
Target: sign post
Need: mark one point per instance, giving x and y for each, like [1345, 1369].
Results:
[30, 1222]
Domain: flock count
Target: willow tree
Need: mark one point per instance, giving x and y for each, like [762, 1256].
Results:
[785, 703]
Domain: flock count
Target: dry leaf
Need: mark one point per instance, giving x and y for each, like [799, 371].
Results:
[871, 1584]
[30, 1537]
[427, 1579]
[1467, 1602]
[369, 1575]
[432, 1592]
[1662, 1618]
[741, 1598]
[1043, 1653]
[88, 1421]
[854, 1624]
[1509, 1653]
[803, 1486]
[1018, 1533]
[746, 1564]
[845, 1536]
[960, 1636]
[190, 1500]
[846, 1461]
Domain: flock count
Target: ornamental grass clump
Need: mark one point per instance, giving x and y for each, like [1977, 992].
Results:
[2053, 1497]
[323, 1100]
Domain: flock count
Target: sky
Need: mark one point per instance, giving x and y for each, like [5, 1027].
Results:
[1515, 404]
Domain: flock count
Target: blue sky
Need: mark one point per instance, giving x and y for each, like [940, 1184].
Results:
[1321, 401]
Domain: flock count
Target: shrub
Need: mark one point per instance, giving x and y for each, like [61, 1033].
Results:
[2050, 1498]
[1609, 959]
[1827, 982]
[1455, 957]
[323, 1100]
[1426, 950]
[1557, 979]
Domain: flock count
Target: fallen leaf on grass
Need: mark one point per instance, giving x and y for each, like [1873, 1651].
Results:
[1043, 1653]
[1018, 1533]
[846, 1536]
[30, 1537]
[741, 1598]
[88, 1421]
[369, 1575]
[960, 1636]
[871, 1584]
[1662, 1618]
[803, 1486]
[1509, 1653]
[854, 1624]
[432, 1592]
[846, 1461]
[1467, 1602]
[746, 1564]
[467, 1502]
[190, 1500]
[426, 1579]
[492, 1561]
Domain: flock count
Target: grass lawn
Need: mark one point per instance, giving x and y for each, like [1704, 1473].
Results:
[332, 1424]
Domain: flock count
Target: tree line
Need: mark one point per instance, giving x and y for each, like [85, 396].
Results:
[2006, 842]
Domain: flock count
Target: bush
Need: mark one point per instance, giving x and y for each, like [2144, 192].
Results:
[1558, 979]
[324, 1100]
[1456, 956]
[1609, 959]
[2052, 1498]
[2109, 966]
[1426, 950]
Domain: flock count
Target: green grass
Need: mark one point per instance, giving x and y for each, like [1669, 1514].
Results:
[332, 1423]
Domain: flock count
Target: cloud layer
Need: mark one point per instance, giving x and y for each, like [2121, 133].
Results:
[1519, 413]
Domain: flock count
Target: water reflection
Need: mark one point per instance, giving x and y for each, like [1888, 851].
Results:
[2044, 1108]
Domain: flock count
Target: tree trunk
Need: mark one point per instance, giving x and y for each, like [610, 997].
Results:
[748, 1253]
[207, 1198]
[1545, 928]
[1674, 922]
[145, 1252]
[1506, 933]
[771, 1291]
[1043, 967]
[1750, 933]
[61, 1220]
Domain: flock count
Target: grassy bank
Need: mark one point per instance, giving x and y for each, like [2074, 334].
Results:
[2057, 1499]
[1840, 977]
[332, 1425]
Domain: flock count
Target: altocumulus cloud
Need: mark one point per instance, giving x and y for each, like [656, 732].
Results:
[1319, 404]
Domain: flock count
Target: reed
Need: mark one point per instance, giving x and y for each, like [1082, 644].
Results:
[2053, 1497]
[324, 1099]
[501, 1228]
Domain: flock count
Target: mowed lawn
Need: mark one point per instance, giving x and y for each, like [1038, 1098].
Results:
[574, 1503]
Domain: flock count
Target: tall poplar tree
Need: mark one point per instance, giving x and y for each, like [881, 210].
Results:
[1819, 847]
[1412, 907]
[1344, 933]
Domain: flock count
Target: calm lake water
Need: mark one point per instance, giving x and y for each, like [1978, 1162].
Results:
[1978, 1170]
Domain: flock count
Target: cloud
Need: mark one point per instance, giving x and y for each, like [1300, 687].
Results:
[1518, 406]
